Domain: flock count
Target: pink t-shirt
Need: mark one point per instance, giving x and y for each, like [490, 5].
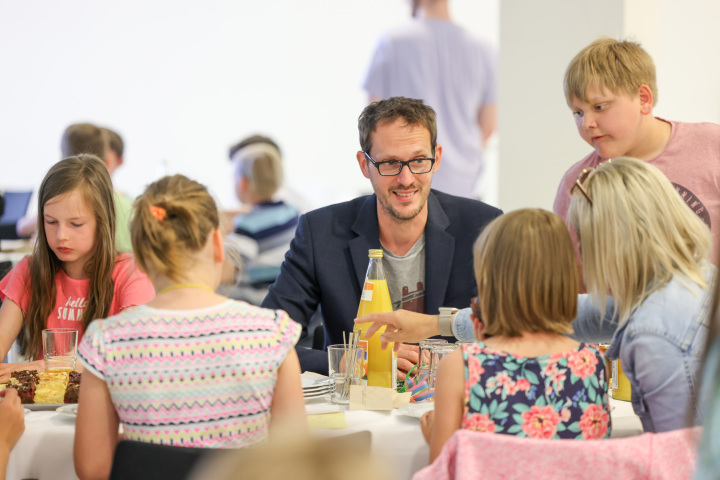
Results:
[131, 287]
[690, 160]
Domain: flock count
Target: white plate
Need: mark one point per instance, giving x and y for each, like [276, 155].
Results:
[319, 387]
[45, 406]
[26, 411]
[314, 380]
[315, 395]
[69, 409]
[416, 409]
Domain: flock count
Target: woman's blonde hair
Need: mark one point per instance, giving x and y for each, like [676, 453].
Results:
[88, 175]
[173, 217]
[636, 235]
[526, 274]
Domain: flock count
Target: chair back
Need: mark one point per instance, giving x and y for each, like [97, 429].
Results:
[150, 461]
[16, 205]
[658, 456]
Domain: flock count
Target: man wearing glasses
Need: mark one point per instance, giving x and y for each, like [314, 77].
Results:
[427, 236]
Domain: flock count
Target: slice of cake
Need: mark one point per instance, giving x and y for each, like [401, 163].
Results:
[45, 388]
[51, 388]
[25, 382]
[73, 388]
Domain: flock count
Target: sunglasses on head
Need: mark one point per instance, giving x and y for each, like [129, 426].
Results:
[581, 180]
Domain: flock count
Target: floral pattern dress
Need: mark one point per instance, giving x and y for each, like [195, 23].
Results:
[563, 395]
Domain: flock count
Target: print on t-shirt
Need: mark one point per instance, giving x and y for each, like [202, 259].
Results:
[413, 301]
[72, 310]
[694, 203]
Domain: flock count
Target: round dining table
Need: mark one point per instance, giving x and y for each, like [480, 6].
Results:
[44, 451]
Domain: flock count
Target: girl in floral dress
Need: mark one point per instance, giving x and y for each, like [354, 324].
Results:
[525, 377]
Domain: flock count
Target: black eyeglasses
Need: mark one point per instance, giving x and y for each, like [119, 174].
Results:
[394, 167]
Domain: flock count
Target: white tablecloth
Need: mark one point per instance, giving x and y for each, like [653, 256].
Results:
[44, 451]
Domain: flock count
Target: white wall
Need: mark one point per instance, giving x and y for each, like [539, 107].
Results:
[181, 81]
[538, 39]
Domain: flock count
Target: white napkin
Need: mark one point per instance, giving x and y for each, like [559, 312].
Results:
[320, 408]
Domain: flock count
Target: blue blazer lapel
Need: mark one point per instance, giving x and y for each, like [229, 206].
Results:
[439, 254]
[368, 236]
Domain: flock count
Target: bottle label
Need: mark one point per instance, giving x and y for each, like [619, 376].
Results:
[615, 376]
[367, 292]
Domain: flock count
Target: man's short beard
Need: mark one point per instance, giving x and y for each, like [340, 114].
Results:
[395, 215]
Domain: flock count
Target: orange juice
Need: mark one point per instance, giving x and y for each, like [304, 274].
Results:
[375, 297]
[620, 383]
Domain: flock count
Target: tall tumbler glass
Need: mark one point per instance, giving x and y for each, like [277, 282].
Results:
[60, 349]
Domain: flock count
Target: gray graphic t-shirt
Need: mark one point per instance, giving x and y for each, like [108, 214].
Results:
[406, 277]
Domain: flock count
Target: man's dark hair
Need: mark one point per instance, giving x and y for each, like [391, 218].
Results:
[413, 111]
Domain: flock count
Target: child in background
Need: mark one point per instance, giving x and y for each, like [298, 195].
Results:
[74, 274]
[526, 377]
[191, 368]
[610, 88]
[262, 235]
[86, 138]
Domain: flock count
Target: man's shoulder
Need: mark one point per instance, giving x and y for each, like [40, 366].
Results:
[463, 207]
[343, 211]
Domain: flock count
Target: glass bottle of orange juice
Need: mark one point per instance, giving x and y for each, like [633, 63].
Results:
[375, 297]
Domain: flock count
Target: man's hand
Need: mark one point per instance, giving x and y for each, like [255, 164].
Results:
[402, 326]
[407, 357]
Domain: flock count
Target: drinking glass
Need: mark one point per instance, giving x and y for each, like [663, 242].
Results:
[425, 356]
[346, 369]
[437, 353]
[60, 349]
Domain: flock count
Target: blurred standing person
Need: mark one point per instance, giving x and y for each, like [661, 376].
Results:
[107, 145]
[436, 60]
[114, 150]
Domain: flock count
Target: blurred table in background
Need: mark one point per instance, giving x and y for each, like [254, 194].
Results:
[11, 252]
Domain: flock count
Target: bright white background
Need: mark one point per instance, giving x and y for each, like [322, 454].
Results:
[182, 81]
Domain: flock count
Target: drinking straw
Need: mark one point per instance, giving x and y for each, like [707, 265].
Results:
[350, 355]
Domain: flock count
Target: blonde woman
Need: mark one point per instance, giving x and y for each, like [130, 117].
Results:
[645, 262]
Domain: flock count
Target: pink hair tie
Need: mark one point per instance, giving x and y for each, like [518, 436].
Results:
[158, 212]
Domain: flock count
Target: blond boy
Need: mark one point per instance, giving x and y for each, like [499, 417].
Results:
[263, 234]
[611, 89]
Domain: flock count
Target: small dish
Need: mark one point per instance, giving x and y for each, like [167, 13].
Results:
[416, 410]
[69, 410]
